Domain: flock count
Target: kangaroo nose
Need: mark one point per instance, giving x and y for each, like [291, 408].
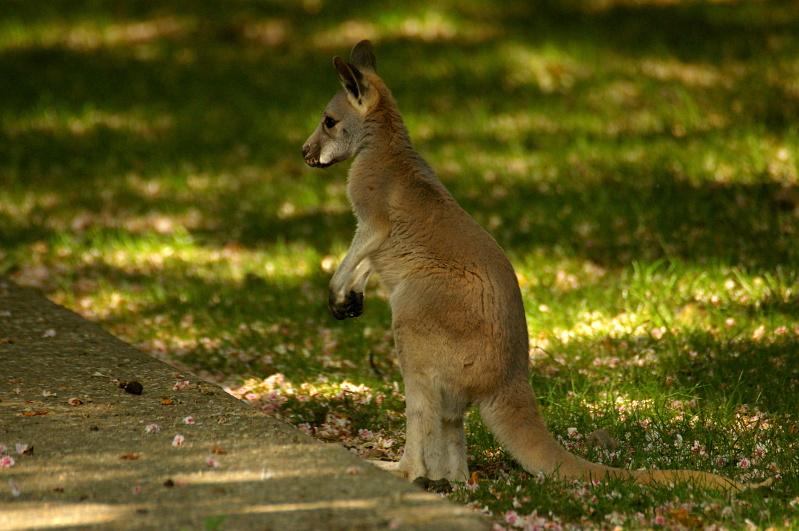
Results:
[310, 152]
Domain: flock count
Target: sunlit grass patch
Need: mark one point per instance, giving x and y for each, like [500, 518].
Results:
[88, 33]
[87, 121]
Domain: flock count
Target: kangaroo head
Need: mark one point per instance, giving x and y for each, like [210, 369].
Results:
[340, 131]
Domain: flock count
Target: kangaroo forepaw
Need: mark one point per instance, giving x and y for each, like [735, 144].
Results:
[351, 306]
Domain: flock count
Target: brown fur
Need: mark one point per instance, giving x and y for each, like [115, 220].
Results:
[459, 324]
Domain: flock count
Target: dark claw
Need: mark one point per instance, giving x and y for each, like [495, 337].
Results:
[352, 306]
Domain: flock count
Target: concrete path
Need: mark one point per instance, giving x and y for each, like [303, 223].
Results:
[92, 463]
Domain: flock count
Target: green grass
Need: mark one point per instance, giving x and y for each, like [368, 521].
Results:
[637, 161]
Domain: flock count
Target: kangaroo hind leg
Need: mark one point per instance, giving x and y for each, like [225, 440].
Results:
[435, 442]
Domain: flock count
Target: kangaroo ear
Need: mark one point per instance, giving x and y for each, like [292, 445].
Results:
[363, 56]
[353, 81]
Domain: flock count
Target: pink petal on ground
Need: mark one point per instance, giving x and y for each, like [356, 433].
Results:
[6, 461]
[511, 517]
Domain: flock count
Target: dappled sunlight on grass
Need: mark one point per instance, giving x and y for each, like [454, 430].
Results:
[549, 69]
[692, 74]
[88, 122]
[92, 34]
[334, 411]
[636, 159]
[654, 303]
[430, 24]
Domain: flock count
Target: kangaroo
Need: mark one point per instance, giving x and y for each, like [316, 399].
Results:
[457, 315]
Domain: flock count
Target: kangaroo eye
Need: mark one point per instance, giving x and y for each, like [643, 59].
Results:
[330, 123]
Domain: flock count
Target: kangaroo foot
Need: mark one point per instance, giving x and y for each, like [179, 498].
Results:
[439, 486]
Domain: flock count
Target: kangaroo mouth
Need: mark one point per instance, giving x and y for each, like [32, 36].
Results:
[314, 162]
[311, 153]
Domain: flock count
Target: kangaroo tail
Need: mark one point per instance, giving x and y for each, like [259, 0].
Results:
[513, 417]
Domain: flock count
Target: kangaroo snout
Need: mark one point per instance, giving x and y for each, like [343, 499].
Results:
[310, 153]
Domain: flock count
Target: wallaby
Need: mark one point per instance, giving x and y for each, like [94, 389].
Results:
[457, 315]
